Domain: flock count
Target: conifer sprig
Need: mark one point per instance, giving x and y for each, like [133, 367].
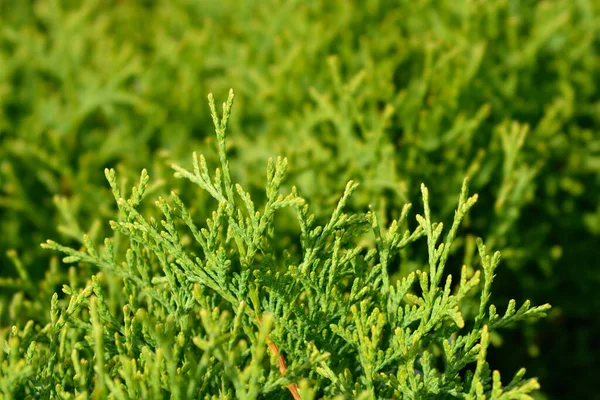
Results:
[228, 314]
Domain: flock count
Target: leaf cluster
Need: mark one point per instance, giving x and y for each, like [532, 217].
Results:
[384, 92]
[222, 315]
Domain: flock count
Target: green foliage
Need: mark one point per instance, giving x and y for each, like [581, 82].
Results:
[223, 314]
[386, 93]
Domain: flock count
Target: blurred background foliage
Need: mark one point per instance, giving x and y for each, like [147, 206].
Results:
[388, 93]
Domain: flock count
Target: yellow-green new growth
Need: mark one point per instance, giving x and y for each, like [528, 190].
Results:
[228, 312]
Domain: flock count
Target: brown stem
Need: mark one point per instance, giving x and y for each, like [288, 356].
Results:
[292, 387]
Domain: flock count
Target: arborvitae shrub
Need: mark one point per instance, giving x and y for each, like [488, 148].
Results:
[220, 309]
[386, 93]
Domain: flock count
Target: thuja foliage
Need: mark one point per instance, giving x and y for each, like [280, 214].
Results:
[390, 93]
[216, 308]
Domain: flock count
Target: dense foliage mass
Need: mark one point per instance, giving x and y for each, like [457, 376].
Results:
[199, 326]
[386, 93]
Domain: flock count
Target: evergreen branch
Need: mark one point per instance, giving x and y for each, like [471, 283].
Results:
[329, 315]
